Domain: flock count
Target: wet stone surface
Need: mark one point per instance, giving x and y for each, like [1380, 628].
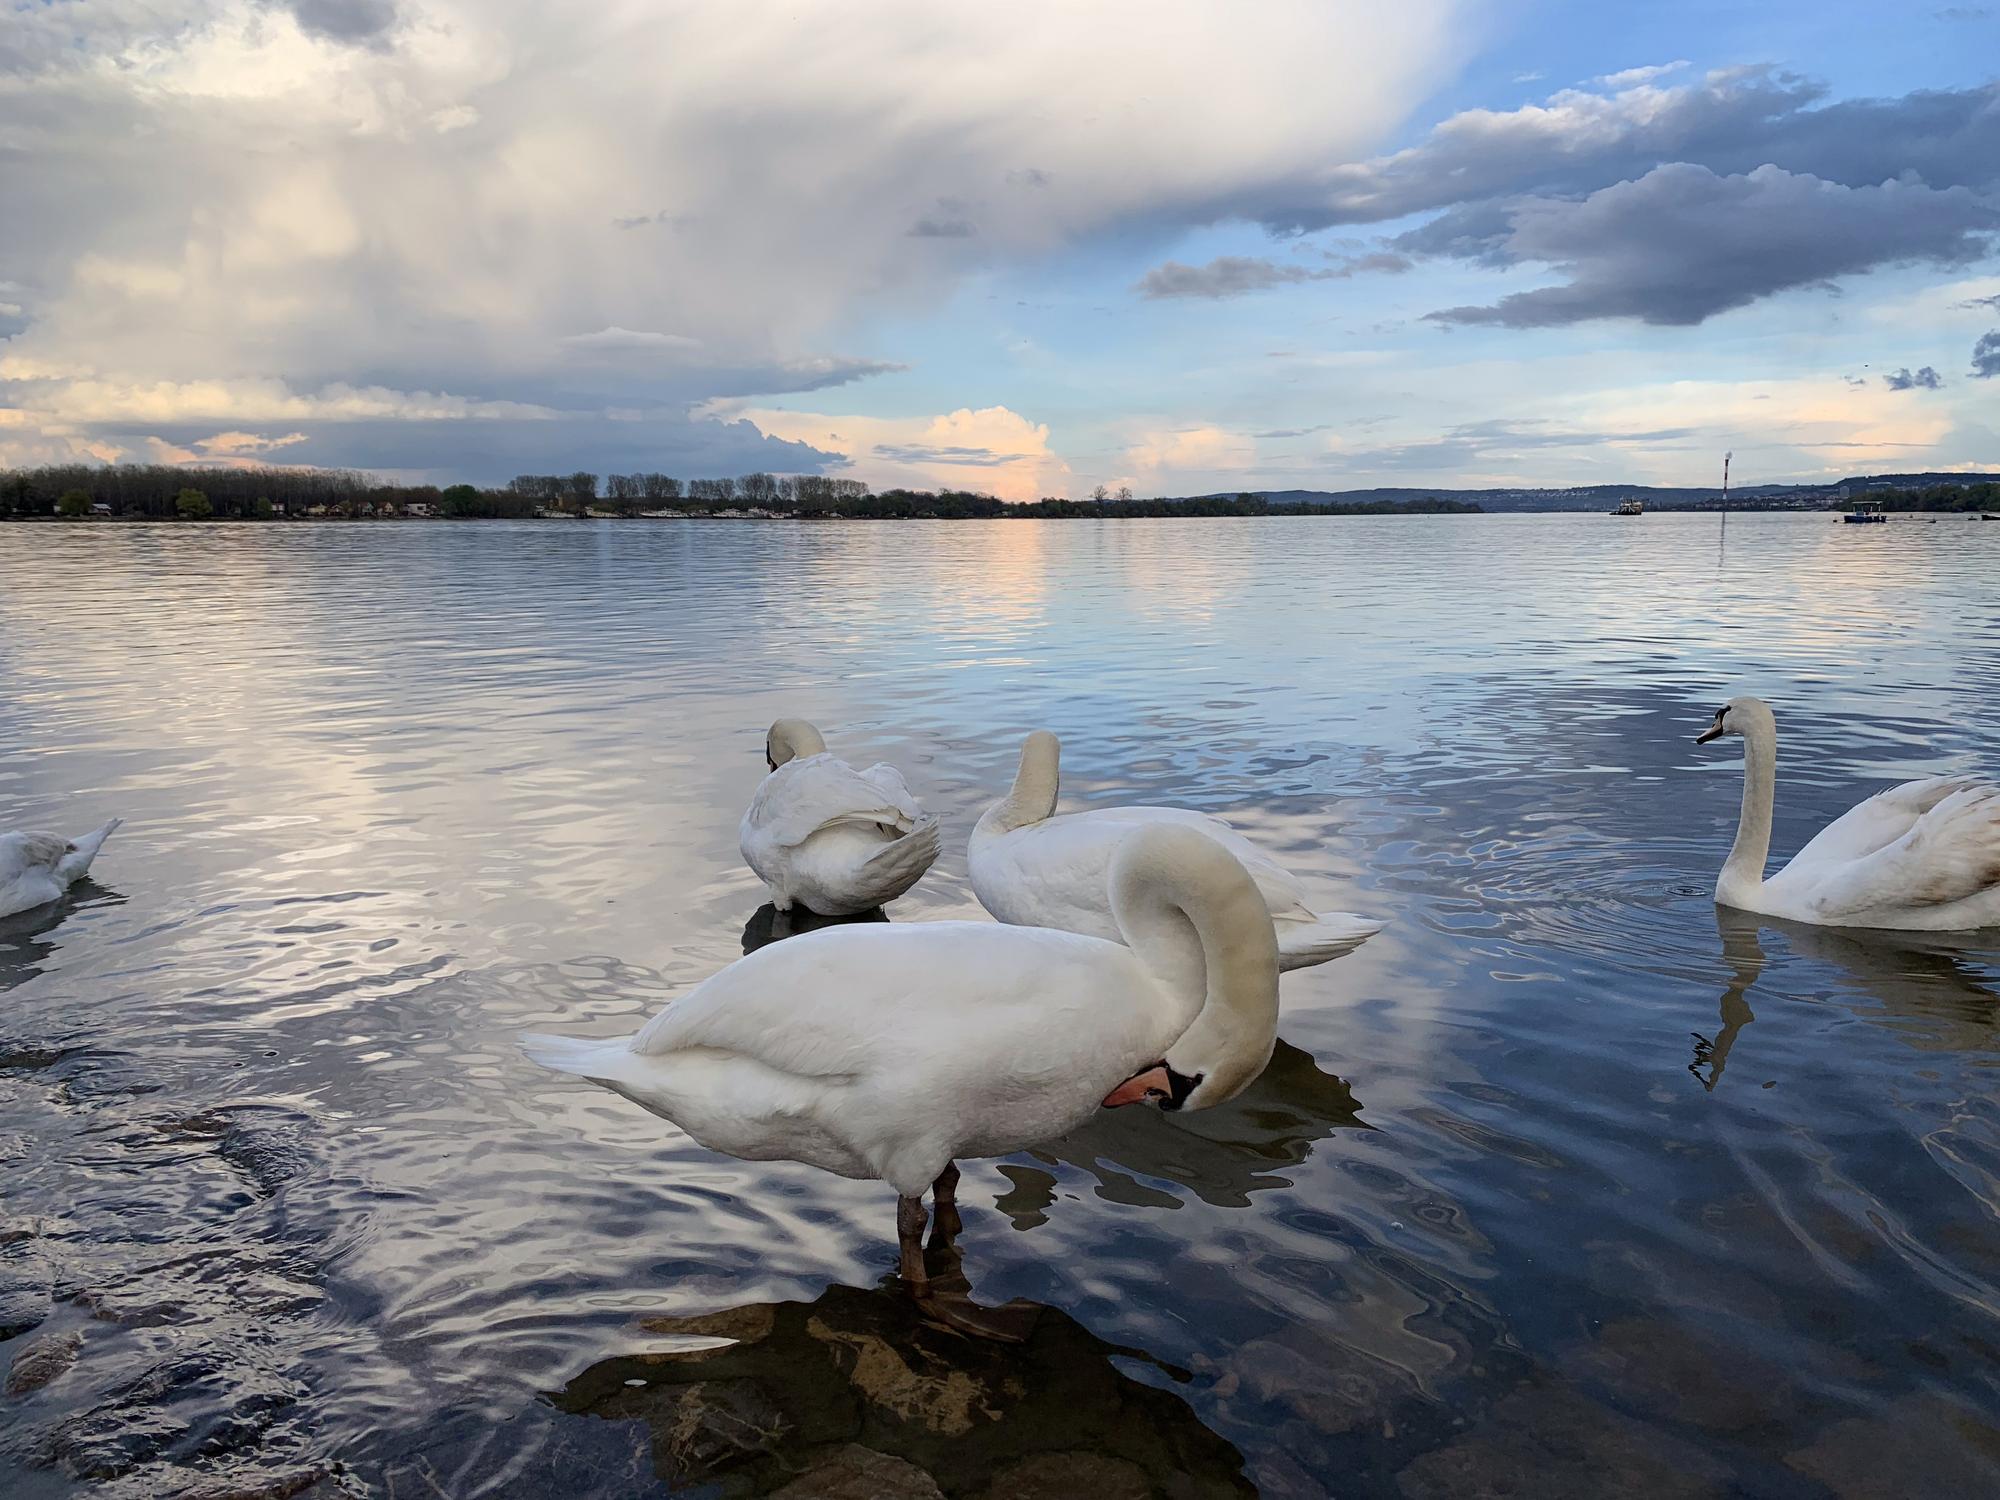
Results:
[862, 1370]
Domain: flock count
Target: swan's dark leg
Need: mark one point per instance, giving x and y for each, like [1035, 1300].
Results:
[910, 1218]
[946, 1298]
[944, 1192]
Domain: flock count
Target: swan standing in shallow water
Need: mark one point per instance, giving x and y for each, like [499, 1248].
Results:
[837, 840]
[1034, 869]
[1923, 855]
[888, 1051]
[36, 868]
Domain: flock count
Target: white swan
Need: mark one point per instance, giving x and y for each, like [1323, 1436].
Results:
[36, 868]
[1925, 854]
[887, 1051]
[1034, 869]
[837, 840]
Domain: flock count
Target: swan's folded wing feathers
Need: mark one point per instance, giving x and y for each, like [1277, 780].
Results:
[817, 793]
[23, 851]
[889, 781]
[1950, 853]
[1880, 820]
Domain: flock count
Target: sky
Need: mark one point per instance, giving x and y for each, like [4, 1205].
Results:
[1024, 249]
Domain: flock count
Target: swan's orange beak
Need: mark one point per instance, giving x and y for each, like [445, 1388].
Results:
[1151, 1084]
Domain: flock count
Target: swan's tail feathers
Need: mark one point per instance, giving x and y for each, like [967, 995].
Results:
[1328, 935]
[82, 851]
[895, 867]
[586, 1057]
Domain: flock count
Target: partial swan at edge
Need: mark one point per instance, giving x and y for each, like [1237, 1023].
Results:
[36, 868]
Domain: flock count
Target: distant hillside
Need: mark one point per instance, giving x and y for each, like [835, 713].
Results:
[1593, 497]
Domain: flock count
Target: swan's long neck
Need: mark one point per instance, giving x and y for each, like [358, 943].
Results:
[1195, 918]
[1036, 783]
[1744, 869]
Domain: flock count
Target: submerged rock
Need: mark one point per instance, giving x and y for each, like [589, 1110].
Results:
[800, 1384]
[26, 1290]
[856, 1473]
[1550, 1443]
[1920, 1445]
[41, 1359]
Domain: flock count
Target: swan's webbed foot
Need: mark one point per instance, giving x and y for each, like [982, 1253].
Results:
[956, 1310]
[947, 1298]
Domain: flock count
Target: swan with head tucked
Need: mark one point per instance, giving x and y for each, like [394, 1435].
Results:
[836, 840]
[1923, 855]
[888, 1051]
[36, 868]
[1032, 868]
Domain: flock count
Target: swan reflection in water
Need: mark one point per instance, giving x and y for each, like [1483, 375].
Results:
[1221, 1155]
[768, 925]
[23, 945]
[857, 1393]
[1926, 986]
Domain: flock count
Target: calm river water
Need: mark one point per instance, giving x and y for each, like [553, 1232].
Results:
[1563, 1185]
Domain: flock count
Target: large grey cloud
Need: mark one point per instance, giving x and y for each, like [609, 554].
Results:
[1731, 122]
[1986, 355]
[228, 207]
[1671, 204]
[1683, 243]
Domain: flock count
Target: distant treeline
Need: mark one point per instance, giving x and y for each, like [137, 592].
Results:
[1979, 495]
[1982, 496]
[167, 492]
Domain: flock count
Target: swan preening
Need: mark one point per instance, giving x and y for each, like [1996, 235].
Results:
[36, 868]
[889, 1051]
[1033, 868]
[828, 837]
[1923, 855]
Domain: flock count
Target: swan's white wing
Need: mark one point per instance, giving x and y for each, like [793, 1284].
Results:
[1049, 873]
[858, 1000]
[889, 781]
[1949, 853]
[23, 852]
[1283, 892]
[1877, 822]
[803, 796]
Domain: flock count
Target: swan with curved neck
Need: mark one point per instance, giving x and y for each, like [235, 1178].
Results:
[836, 840]
[36, 868]
[1034, 868]
[1922, 855]
[890, 1051]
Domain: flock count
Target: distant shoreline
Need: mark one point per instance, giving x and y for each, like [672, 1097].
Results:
[166, 492]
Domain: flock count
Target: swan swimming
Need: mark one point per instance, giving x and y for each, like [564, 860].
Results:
[36, 868]
[836, 840]
[1923, 855]
[888, 1051]
[1032, 868]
